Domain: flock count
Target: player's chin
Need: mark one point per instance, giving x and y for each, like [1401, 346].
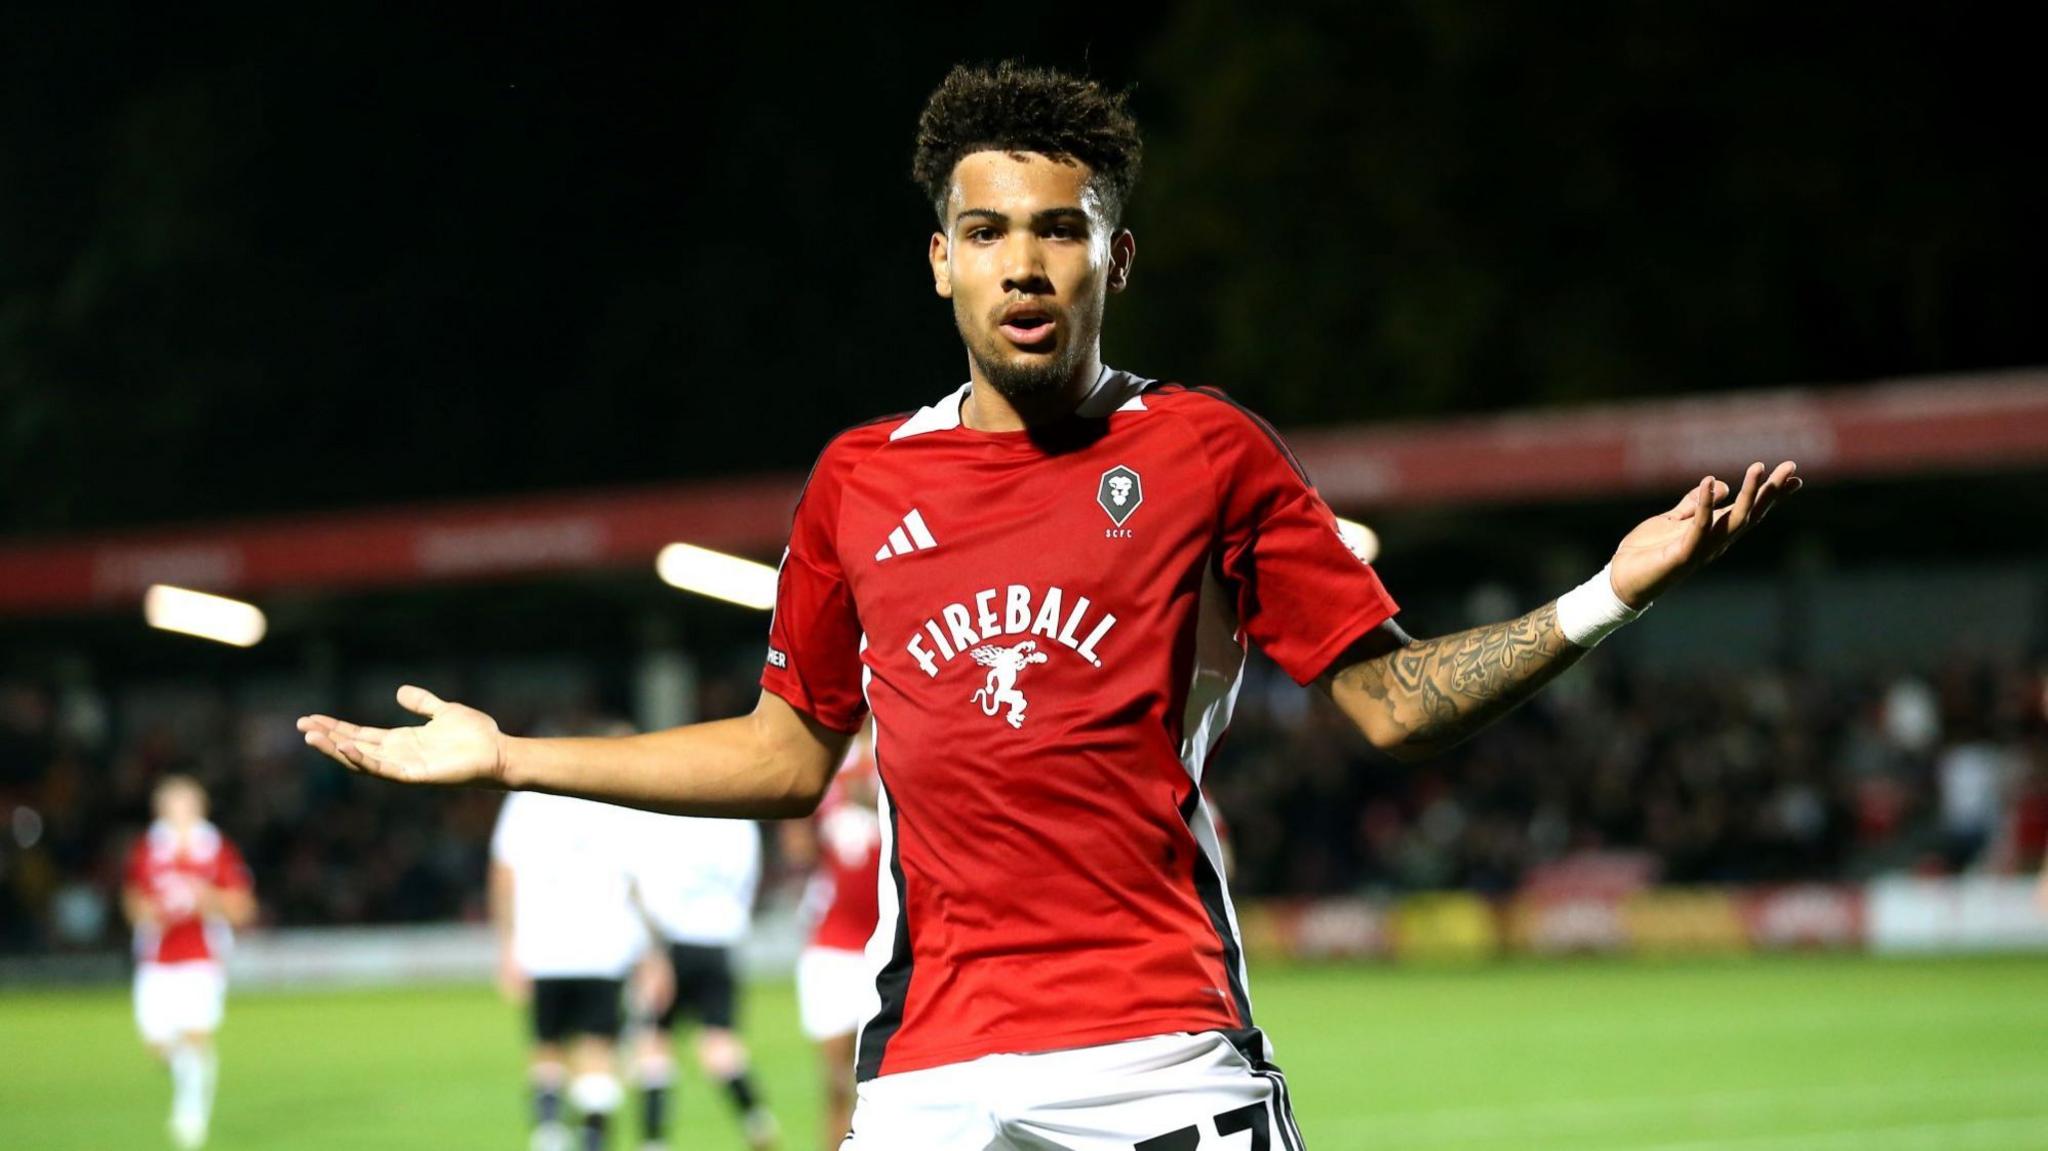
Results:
[1032, 361]
[1030, 346]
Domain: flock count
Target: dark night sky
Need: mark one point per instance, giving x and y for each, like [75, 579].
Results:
[315, 261]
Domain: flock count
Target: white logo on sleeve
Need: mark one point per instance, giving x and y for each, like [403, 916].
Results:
[1361, 541]
[909, 536]
[1003, 664]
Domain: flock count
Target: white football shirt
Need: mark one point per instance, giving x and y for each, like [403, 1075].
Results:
[572, 909]
[697, 876]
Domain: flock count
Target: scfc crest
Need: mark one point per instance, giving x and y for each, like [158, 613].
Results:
[1120, 492]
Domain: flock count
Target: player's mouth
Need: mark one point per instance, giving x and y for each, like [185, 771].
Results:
[1032, 327]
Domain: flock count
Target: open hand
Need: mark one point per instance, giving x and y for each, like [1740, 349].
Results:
[456, 745]
[1665, 548]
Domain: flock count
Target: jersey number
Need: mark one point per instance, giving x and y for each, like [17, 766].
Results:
[1250, 1118]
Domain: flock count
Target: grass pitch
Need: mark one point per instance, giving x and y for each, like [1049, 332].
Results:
[1804, 1054]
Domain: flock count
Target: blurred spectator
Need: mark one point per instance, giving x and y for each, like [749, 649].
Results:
[1762, 777]
[1766, 777]
[1974, 778]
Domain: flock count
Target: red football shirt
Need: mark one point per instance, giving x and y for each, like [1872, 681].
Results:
[842, 898]
[170, 873]
[1049, 627]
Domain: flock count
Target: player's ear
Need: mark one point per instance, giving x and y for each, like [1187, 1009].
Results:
[941, 256]
[1123, 252]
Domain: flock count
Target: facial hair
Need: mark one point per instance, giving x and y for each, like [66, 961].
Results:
[1028, 381]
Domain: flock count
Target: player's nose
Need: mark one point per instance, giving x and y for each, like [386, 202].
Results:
[1023, 264]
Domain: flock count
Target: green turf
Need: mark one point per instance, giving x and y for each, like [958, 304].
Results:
[1802, 1054]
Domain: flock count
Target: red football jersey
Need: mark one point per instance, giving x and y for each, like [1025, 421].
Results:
[170, 874]
[842, 898]
[1049, 627]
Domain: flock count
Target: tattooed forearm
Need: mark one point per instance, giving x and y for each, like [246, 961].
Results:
[1423, 697]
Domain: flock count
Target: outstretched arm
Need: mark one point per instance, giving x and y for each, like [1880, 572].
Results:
[771, 764]
[1414, 698]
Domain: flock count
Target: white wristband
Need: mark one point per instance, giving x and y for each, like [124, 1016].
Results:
[1591, 611]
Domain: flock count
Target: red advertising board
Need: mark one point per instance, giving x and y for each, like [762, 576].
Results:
[1811, 916]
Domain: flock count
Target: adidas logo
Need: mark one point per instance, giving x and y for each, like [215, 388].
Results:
[909, 536]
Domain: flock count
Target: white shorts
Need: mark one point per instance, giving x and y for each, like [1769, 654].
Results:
[1167, 1093]
[176, 999]
[834, 991]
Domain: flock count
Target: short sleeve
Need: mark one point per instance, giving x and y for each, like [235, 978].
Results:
[1301, 593]
[815, 635]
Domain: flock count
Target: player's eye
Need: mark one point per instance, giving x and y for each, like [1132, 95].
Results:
[981, 235]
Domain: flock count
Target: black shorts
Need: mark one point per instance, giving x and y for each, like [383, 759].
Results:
[564, 1008]
[704, 986]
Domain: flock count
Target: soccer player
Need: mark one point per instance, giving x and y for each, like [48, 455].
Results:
[844, 843]
[695, 879]
[1041, 586]
[185, 890]
[569, 931]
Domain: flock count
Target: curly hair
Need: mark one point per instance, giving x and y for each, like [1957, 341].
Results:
[1014, 108]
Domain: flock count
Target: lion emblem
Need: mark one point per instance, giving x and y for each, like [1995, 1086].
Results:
[1120, 493]
[1003, 664]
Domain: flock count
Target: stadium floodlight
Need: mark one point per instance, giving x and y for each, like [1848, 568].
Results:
[1363, 541]
[196, 613]
[720, 576]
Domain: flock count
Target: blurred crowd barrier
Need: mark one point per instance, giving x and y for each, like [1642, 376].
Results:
[1900, 916]
[301, 957]
[1905, 915]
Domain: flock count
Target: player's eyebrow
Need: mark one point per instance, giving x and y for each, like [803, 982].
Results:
[1039, 217]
